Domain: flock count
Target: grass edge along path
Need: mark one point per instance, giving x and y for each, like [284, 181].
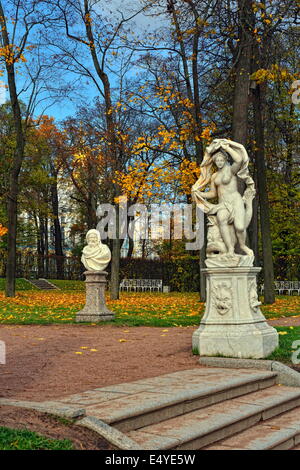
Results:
[34, 306]
[289, 345]
[23, 439]
[132, 309]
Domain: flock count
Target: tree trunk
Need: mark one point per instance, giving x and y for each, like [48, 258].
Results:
[46, 231]
[144, 243]
[130, 247]
[12, 204]
[113, 153]
[242, 74]
[203, 266]
[253, 227]
[91, 212]
[269, 293]
[242, 90]
[41, 248]
[115, 261]
[59, 254]
[12, 234]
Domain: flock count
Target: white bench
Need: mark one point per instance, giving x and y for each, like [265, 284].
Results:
[285, 287]
[141, 285]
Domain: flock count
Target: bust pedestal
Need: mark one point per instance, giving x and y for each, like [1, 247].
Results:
[233, 325]
[95, 308]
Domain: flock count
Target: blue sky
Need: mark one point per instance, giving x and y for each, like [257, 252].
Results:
[87, 90]
[111, 9]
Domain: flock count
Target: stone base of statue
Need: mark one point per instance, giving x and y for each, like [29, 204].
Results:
[233, 325]
[95, 308]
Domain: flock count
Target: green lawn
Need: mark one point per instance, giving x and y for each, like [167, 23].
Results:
[21, 284]
[287, 336]
[131, 310]
[33, 306]
[68, 285]
[14, 439]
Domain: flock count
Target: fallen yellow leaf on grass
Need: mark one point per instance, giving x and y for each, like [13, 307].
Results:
[282, 332]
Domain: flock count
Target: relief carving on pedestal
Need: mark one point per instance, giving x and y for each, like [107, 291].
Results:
[222, 296]
[253, 298]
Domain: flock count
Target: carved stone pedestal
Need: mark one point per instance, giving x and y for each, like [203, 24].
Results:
[233, 325]
[95, 308]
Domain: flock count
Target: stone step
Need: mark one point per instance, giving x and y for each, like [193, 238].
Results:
[146, 402]
[200, 428]
[42, 284]
[279, 433]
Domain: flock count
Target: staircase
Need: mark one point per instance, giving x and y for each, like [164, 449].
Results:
[205, 408]
[42, 284]
[278, 433]
[201, 428]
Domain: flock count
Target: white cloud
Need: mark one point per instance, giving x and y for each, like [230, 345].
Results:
[2, 92]
[114, 9]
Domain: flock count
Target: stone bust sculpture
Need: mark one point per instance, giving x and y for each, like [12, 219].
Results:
[229, 218]
[95, 255]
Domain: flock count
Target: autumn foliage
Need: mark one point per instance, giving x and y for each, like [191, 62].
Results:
[3, 230]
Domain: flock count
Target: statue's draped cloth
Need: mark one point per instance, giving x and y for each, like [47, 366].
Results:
[96, 258]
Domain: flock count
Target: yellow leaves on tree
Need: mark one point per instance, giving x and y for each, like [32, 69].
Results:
[3, 230]
[256, 6]
[47, 129]
[137, 182]
[274, 74]
[207, 132]
[187, 174]
[54, 139]
[88, 19]
[11, 54]
[143, 144]
[87, 158]
[174, 138]
[186, 129]
[199, 26]
[142, 181]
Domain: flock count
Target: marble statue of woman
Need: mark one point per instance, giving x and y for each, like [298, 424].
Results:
[95, 255]
[230, 217]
